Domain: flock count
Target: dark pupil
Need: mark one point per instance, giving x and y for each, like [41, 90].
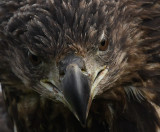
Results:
[34, 58]
[103, 43]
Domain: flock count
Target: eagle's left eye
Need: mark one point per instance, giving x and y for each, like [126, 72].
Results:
[103, 45]
[35, 60]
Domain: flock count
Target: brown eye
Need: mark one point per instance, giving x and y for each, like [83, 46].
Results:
[103, 45]
[35, 60]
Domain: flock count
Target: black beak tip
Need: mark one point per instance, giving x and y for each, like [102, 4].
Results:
[81, 112]
[82, 120]
[83, 123]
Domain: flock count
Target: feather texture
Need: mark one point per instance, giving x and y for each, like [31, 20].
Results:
[128, 97]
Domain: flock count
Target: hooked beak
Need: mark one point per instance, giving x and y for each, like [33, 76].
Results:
[78, 89]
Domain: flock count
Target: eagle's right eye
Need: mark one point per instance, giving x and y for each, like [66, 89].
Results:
[103, 45]
[35, 60]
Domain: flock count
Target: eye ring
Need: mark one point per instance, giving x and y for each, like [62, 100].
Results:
[104, 45]
[34, 59]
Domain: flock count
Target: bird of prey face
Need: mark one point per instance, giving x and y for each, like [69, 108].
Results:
[98, 60]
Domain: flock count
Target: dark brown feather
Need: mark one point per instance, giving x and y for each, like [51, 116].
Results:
[128, 98]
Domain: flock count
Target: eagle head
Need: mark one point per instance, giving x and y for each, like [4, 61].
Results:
[74, 51]
[62, 51]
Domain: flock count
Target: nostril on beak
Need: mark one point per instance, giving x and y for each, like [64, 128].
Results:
[61, 73]
[83, 69]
